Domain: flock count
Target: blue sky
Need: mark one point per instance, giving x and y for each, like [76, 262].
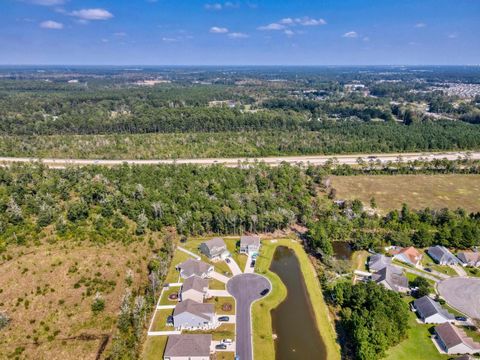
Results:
[188, 32]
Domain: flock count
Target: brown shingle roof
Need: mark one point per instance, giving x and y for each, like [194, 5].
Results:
[215, 243]
[452, 336]
[187, 345]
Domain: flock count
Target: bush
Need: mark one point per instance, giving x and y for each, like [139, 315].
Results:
[4, 320]
[98, 304]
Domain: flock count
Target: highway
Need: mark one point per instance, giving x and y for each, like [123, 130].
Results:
[236, 162]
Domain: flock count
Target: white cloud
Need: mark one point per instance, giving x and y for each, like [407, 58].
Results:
[52, 25]
[169, 39]
[272, 26]
[452, 36]
[231, 5]
[366, 39]
[92, 14]
[350, 34]
[237, 35]
[215, 6]
[289, 32]
[46, 2]
[307, 21]
[420, 25]
[218, 30]
[120, 34]
[286, 21]
[290, 22]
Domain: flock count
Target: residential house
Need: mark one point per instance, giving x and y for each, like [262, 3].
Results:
[214, 249]
[454, 340]
[378, 262]
[193, 267]
[442, 255]
[392, 278]
[194, 288]
[188, 347]
[249, 245]
[431, 312]
[409, 255]
[469, 258]
[192, 315]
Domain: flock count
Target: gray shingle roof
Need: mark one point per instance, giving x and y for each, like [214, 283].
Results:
[215, 243]
[249, 240]
[195, 283]
[194, 267]
[204, 311]
[393, 276]
[427, 307]
[378, 262]
[441, 253]
[187, 345]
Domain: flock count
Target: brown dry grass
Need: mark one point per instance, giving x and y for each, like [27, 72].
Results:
[51, 315]
[418, 191]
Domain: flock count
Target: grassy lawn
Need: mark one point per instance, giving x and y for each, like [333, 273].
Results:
[159, 323]
[418, 345]
[444, 269]
[215, 284]
[178, 257]
[262, 322]
[224, 331]
[418, 191]
[219, 301]
[223, 355]
[359, 259]
[154, 347]
[471, 271]
[165, 300]
[472, 332]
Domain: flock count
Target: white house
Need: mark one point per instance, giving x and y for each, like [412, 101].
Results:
[191, 267]
[191, 315]
[249, 245]
[454, 340]
[431, 312]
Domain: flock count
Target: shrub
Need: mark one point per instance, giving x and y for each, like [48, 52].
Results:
[98, 304]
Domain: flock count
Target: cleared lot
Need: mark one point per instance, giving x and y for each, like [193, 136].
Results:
[463, 294]
[418, 191]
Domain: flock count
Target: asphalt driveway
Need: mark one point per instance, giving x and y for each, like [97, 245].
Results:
[463, 293]
[246, 288]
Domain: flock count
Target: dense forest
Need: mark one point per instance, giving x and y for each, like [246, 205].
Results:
[101, 204]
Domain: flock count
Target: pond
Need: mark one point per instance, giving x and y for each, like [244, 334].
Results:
[342, 250]
[293, 320]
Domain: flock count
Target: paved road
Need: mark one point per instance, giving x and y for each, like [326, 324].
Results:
[246, 288]
[463, 293]
[236, 162]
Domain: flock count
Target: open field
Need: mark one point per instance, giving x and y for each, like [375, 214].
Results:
[48, 290]
[418, 191]
[261, 318]
[418, 346]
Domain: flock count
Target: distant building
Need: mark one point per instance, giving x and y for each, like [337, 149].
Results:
[391, 278]
[431, 311]
[192, 315]
[214, 249]
[454, 340]
[378, 262]
[188, 346]
[469, 258]
[249, 245]
[441, 255]
[193, 267]
[409, 255]
[194, 288]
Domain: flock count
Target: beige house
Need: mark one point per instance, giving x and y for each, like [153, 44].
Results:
[188, 347]
[195, 267]
[194, 288]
